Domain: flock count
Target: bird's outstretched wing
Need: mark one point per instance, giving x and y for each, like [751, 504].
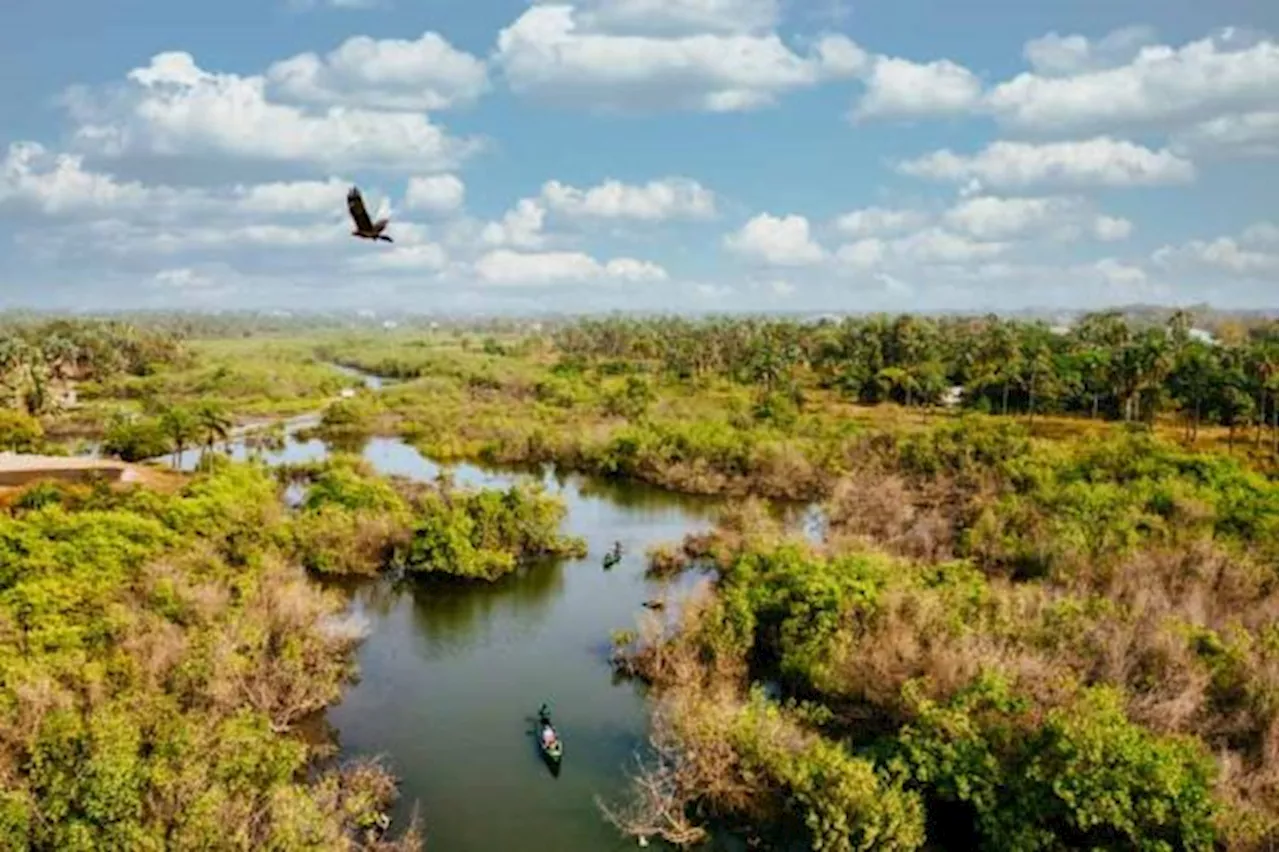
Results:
[359, 215]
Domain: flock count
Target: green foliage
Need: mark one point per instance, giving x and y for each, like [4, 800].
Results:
[156, 649]
[485, 534]
[843, 801]
[354, 521]
[19, 432]
[1103, 365]
[348, 482]
[136, 440]
[244, 376]
[1106, 499]
[354, 415]
[1086, 776]
[786, 606]
[963, 448]
[1032, 759]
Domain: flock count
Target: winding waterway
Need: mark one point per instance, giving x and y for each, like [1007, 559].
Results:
[450, 675]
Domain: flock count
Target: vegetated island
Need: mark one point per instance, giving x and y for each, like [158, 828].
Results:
[1042, 615]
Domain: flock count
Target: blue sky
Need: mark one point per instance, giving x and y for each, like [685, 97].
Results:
[639, 154]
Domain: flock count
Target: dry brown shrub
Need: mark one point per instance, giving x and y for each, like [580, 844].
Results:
[1201, 583]
[784, 471]
[364, 783]
[1248, 821]
[696, 476]
[916, 636]
[361, 543]
[693, 769]
[669, 650]
[880, 508]
[665, 560]
[35, 699]
[157, 648]
[279, 654]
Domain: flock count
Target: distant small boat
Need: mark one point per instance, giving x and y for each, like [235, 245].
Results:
[613, 557]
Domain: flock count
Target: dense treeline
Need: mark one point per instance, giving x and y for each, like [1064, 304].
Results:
[39, 358]
[1102, 366]
[240, 324]
[1064, 647]
[606, 404]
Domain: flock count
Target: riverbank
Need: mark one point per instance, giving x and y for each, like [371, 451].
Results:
[18, 470]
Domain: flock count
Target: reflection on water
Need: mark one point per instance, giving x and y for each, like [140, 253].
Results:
[448, 614]
[353, 443]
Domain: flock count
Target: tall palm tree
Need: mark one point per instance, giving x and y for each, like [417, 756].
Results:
[1263, 370]
[35, 387]
[1191, 384]
[181, 427]
[214, 423]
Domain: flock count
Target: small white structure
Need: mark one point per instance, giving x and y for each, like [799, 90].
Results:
[951, 396]
[347, 393]
[1201, 335]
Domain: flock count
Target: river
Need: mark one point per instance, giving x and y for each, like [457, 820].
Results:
[451, 675]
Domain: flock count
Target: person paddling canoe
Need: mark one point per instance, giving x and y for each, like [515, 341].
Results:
[544, 720]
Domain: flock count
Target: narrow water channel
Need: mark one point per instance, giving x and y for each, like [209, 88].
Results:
[451, 675]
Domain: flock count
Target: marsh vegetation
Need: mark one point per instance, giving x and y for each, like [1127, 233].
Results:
[1041, 613]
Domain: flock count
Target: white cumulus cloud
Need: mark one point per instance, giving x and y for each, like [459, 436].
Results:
[900, 88]
[546, 54]
[1251, 254]
[1101, 161]
[1054, 55]
[504, 267]
[657, 200]
[778, 241]
[874, 221]
[172, 107]
[676, 17]
[436, 193]
[425, 74]
[990, 217]
[521, 226]
[1162, 84]
[1249, 134]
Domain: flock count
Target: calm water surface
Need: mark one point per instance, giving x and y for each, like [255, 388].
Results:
[450, 675]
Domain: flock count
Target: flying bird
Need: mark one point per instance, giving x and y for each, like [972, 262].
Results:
[366, 228]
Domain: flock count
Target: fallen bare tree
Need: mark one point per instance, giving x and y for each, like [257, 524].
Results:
[662, 792]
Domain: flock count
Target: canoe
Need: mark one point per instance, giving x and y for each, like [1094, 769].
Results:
[614, 556]
[555, 750]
